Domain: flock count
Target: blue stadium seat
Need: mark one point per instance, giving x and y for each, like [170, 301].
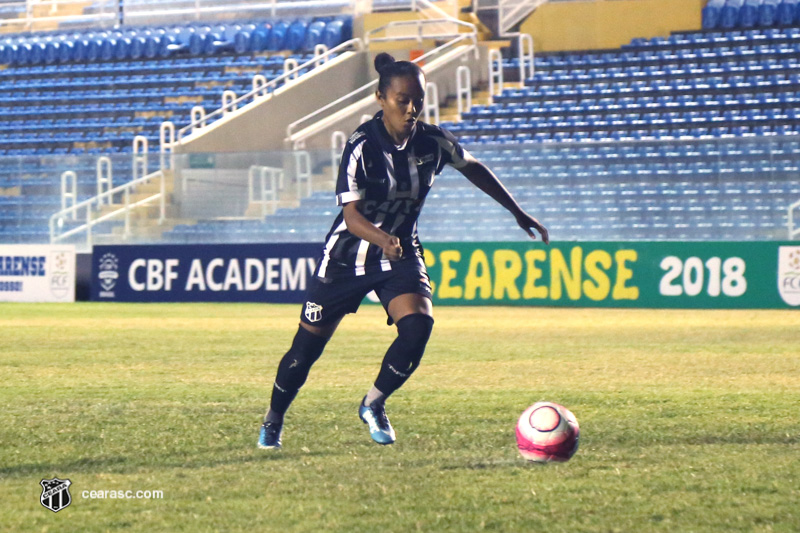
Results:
[296, 34]
[334, 34]
[278, 35]
[314, 35]
[787, 12]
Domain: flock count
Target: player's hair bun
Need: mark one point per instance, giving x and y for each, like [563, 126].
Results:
[382, 61]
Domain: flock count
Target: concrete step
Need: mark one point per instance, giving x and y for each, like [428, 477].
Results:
[484, 33]
[480, 97]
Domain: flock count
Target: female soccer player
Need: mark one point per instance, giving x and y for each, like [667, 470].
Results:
[387, 169]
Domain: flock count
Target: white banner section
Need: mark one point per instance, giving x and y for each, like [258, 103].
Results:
[37, 273]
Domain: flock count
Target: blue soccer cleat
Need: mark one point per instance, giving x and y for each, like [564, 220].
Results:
[270, 436]
[375, 417]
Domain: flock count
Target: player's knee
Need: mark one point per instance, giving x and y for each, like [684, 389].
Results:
[415, 330]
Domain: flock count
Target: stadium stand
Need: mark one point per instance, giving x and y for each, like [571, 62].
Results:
[691, 136]
[684, 126]
[683, 190]
[68, 94]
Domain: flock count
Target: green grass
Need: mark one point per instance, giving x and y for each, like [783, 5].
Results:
[689, 421]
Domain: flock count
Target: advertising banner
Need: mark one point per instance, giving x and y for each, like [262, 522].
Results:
[37, 273]
[617, 274]
[725, 275]
[276, 273]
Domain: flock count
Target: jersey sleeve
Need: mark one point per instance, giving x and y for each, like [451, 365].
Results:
[453, 153]
[350, 184]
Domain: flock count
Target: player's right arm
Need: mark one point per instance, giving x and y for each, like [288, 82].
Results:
[362, 228]
[350, 190]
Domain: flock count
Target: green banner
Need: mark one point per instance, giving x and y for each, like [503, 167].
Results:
[617, 274]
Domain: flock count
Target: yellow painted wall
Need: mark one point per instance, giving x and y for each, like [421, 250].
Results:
[585, 25]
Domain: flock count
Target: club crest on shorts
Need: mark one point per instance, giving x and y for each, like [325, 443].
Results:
[313, 312]
[55, 494]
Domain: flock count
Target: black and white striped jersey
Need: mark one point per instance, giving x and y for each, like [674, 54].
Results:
[391, 182]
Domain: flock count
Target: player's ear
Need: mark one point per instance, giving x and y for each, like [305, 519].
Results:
[379, 95]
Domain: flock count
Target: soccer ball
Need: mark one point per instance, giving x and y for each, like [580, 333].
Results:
[547, 432]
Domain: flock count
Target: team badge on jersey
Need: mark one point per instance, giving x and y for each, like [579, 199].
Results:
[55, 494]
[424, 159]
[313, 312]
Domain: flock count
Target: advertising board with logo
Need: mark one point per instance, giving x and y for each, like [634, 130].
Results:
[580, 274]
[37, 273]
[203, 273]
[617, 274]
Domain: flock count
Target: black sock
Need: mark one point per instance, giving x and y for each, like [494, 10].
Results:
[293, 370]
[404, 355]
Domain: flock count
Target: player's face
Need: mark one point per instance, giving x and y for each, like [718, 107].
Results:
[402, 105]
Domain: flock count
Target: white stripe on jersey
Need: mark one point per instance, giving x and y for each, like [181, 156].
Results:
[412, 172]
[326, 253]
[392, 194]
[352, 167]
[363, 247]
[450, 148]
[361, 257]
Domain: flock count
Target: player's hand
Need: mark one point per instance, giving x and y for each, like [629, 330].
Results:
[526, 222]
[392, 249]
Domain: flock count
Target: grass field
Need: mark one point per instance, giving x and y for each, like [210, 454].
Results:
[690, 421]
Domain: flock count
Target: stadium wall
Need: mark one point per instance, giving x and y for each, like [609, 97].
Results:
[593, 25]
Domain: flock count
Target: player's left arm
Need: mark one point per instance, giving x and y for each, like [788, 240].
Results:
[483, 178]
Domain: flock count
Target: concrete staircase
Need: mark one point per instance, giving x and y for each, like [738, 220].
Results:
[145, 225]
[449, 111]
[322, 180]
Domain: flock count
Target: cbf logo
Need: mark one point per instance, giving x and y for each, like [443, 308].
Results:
[55, 494]
[313, 312]
[109, 274]
[59, 274]
[789, 274]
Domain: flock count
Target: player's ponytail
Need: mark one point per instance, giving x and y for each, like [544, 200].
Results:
[388, 68]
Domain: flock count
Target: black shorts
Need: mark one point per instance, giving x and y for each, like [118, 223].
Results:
[328, 300]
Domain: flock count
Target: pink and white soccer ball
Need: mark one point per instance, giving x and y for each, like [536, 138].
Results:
[547, 431]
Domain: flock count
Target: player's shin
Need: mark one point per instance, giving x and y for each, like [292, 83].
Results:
[404, 355]
[293, 371]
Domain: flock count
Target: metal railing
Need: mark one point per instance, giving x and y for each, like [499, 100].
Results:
[261, 90]
[509, 12]
[296, 136]
[419, 35]
[94, 205]
[794, 231]
[338, 141]
[464, 88]
[495, 74]
[527, 66]
[270, 182]
[431, 109]
[105, 176]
